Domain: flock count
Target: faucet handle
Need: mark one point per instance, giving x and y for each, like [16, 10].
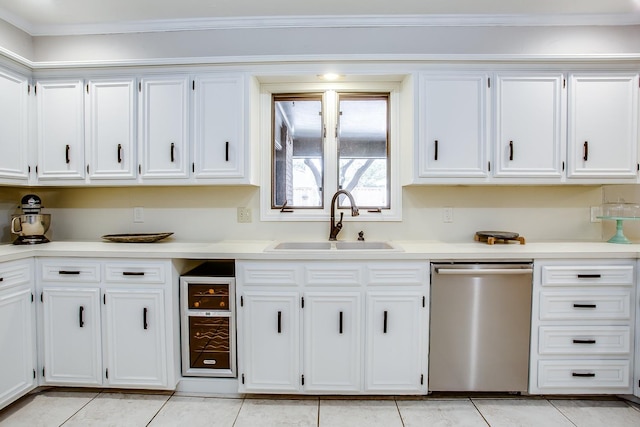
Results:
[361, 236]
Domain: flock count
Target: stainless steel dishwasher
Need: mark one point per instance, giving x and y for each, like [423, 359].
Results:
[480, 326]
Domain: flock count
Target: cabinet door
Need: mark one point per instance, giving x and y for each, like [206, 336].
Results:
[219, 127]
[72, 336]
[453, 125]
[603, 125]
[395, 359]
[17, 358]
[165, 127]
[14, 127]
[332, 349]
[529, 126]
[135, 338]
[60, 130]
[271, 342]
[111, 112]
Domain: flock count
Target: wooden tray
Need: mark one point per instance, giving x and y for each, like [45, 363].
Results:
[136, 238]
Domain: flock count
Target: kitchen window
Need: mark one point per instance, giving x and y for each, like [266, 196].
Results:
[326, 140]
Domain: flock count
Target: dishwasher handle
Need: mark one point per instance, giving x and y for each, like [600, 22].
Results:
[469, 272]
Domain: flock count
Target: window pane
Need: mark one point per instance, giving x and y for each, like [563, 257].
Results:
[297, 151]
[363, 149]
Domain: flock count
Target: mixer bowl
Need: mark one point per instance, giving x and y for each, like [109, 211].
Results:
[30, 224]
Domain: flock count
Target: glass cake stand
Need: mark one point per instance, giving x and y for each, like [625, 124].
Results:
[619, 237]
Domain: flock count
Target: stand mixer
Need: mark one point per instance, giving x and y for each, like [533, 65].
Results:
[31, 225]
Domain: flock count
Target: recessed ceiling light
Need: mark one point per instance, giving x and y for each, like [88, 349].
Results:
[330, 76]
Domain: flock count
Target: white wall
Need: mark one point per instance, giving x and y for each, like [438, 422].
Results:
[354, 42]
[16, 41]
[205, 214]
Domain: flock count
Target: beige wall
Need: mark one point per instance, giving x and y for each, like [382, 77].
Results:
[205, 214]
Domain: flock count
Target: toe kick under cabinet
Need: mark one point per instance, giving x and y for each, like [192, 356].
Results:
[107, 322]
[335, 327]
[582, 327]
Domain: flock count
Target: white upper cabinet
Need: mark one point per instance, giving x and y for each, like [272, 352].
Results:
[14, 126]
[111, 129]
[529, 125]
[452, 125]
[60, 115]
[219, 138]
[164, 123]
[603, 125]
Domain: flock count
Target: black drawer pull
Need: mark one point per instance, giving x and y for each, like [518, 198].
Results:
[145, 312]
[578, 341]
[340, 322]
[133, 273]
[69, 272]
[81, 316]
[583, 375]
[279, 322]
[589, 276]
[384, 323]
[576, 305]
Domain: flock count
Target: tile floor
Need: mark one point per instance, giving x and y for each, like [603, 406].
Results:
[58, 407]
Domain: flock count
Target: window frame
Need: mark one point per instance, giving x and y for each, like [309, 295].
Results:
[276, 213]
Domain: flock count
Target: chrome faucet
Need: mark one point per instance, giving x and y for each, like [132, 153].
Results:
[335, 228]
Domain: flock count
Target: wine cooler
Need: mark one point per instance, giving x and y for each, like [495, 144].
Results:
[208, 327]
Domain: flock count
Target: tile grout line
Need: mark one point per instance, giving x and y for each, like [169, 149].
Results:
[563, 414]
[81, 408]
[163, 405]
[479, 411]
[399, 413]
[235, 420]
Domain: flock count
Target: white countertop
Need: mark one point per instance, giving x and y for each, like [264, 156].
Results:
[244, 249]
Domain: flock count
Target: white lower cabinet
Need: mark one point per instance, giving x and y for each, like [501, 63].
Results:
[17, 338]
[332, 328]
[72, 339]
[135, 337]
[101, 328]
[270, 338]
[582, 327]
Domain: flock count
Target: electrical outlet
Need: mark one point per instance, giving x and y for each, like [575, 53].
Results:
[244, 215]
[447, 215]
[138, 214]
[596, 211]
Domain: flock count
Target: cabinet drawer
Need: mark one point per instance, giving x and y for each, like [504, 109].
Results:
[135, 272]
[583, 275]
[333, 273]
[585, 305]
[14, 273]
[585, 340]
[584, 374]
[398, 273]
[270, 273]
[70, 271]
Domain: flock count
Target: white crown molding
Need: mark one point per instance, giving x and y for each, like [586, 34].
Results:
[328, 21]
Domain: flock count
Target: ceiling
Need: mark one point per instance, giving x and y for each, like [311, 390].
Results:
[53, 16]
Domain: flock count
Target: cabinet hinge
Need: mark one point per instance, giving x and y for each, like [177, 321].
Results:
[35, 89]
[638, 166]
[28, 89]
[424, 301]
[489, 82]
[34, 374]
[241, 301]
[302, 379]
[422, 379]
[139, 86]
[36, 169]
[43, 371]
[562, 166]
[104, 299]
[32, 297]
[564, 83]
[301, 302]
[242, 378]
[193, 167]
[41, 296]
[193, 85]
[87, 87]
[140, 169]
[106, 373]
[87, 168]
[489, 166]
[28, 169]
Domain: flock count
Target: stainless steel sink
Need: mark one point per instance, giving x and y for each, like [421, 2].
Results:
[332, 246]
[364, 245]
[302, 246]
